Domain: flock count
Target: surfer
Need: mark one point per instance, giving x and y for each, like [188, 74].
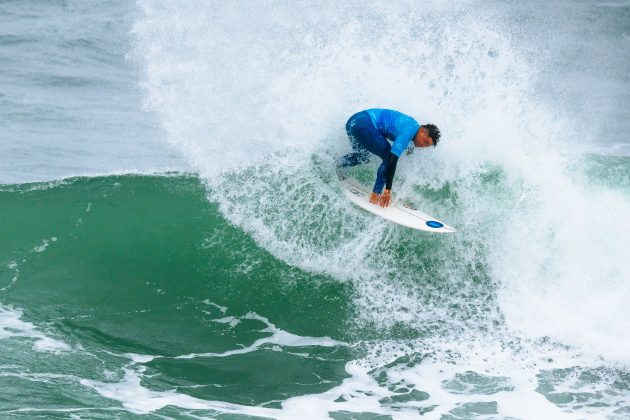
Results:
[369, 131]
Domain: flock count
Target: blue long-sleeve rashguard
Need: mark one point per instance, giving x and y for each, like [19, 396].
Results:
[386, 124]
[394, 126]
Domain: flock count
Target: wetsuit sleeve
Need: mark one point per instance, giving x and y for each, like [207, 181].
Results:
[385, 174]
[380, 177]
[403, 139]
[391, 170]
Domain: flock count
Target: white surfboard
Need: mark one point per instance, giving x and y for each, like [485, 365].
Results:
[396, 212]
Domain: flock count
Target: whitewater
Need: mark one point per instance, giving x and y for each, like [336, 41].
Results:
[174, 242]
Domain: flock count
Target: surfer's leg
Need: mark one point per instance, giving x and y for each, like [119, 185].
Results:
[350, 160]
[361, 129]
[353, 159]
[365, 137]
[359, 154]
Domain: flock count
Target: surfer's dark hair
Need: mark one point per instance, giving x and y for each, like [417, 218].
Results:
[434, 133]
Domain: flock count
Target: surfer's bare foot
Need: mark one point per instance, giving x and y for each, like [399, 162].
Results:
[375, 198]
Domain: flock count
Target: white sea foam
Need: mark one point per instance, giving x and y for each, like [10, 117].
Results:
[403, 378]
[140, 358]
[230, 320]
[12, 326]
[223, 309]
[141, 400]
[278, 337]
[277, 340]
[138, 399]
[44, 244]
[13, 266]
[504, 380]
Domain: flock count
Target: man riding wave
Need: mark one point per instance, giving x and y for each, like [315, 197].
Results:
[369, 132]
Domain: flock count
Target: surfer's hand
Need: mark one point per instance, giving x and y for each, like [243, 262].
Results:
[375, 198]
[385, 198]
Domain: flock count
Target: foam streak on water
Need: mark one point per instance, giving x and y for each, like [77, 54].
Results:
[12, 327]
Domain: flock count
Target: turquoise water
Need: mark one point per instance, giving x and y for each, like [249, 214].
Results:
[174, 242]
[108, 267]
[132, 295]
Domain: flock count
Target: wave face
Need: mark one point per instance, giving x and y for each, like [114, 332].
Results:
[257, 98]
[134, 293]
[126, 293]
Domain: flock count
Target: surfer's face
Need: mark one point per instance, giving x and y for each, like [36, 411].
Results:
[422, 138]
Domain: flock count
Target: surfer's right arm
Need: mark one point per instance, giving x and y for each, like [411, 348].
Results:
[385, 174]
[384, 177]
[385, 198]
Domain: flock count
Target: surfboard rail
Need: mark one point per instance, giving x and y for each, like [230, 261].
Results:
[399, 213]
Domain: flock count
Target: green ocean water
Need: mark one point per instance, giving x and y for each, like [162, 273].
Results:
[144, 264]
[131, 295]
